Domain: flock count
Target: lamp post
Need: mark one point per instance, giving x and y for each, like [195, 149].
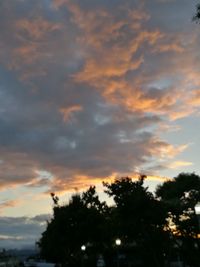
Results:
[118, 244]
[83, 249]
[197, 212]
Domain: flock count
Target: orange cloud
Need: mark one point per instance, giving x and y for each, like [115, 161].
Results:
[77, 182]
[157, 178]
[120, 60]
[111, 52]
[68, 112]
[179, 164]
[98, 25]
[182, 113]
[35, 30]
[165, 150]
[109, 66]
[32, 37]
[27, 53]
[115, 52]
[135, 99]
[8, 204]
[115, 61]
[82, 182]
[195, 98]
[169, 47]
[170, 43]
[16, 169]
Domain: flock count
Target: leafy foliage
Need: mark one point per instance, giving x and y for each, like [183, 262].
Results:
[152, 228]
[180, 196]
[141, 218]
[79, 222]
[196, 17]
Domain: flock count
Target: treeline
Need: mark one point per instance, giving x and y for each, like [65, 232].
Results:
[154, 229]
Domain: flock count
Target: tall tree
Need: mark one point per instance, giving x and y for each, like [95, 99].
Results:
[79, 222]
[140, 217]
[180, 196]
[196, 17]
[152, 227]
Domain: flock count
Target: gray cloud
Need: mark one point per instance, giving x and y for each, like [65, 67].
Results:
[20, 232]
[112, 60]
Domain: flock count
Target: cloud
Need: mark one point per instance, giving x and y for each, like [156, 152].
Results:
[86, 85]
[179, 164]
[157, 178]
[119, 53]
[17, 169]
[35, 30]
[20, 232]
[8, 204]
[67, 112]
[195, 98]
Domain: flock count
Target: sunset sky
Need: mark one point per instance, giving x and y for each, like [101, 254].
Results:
[92, 90]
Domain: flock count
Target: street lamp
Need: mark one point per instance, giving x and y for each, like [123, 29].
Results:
[197, 208]
[118, 243]
[197, 211]
[83, 247]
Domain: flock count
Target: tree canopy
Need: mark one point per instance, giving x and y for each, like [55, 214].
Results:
[153, 228]
[197, 14]
[180, 196]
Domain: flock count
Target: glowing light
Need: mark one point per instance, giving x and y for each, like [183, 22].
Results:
[197, 208]
[83, 247]
[118, 242]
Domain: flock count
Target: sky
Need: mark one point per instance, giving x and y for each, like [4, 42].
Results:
[91, 90]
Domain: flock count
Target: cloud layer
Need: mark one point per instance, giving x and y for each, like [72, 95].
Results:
[86, 86]
[21, 232]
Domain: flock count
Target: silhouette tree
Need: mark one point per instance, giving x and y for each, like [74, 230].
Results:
[54, 198]
[152, 228]
[196, 17]
[140, 219]
[180, 196]
[79, 222]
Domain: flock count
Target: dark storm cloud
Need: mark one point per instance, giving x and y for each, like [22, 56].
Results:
[81, 89]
